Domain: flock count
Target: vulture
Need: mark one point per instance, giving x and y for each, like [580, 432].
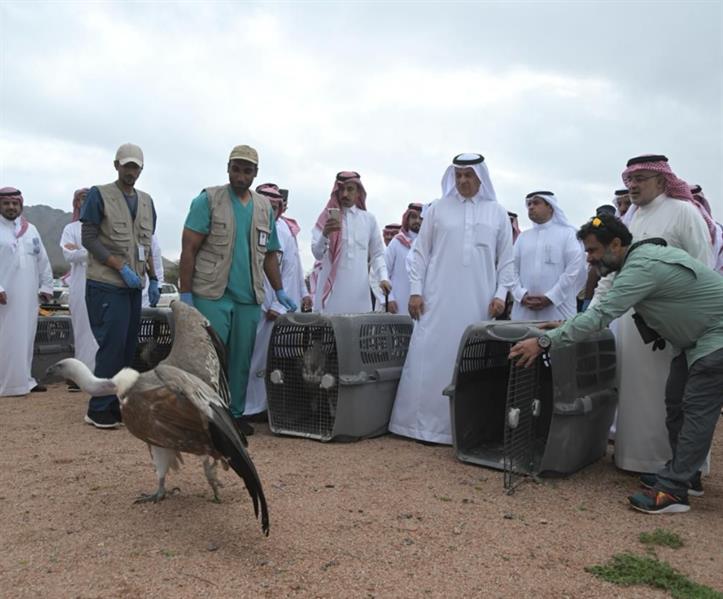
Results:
[180, 406]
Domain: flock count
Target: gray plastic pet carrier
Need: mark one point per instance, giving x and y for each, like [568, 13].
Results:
[155, 338]
[53, 342]
[552, 418]
[335, 377]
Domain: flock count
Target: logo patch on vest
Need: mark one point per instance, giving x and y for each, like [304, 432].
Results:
[263, 238]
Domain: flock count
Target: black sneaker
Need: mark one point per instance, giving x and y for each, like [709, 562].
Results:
[39, 389]
[73, 388]
[695, 486]
[102, 420]
[244, 426]
[659, 502]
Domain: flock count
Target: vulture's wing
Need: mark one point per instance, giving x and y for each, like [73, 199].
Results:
[224, 435]
[197, 349]
[223, 389]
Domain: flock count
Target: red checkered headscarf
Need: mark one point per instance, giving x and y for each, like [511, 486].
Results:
[15, 194]
[271, 191]
[342, 179]
[403, 235]
[674, 187]
[78, 197]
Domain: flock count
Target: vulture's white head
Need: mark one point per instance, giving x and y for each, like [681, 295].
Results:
[74, 370]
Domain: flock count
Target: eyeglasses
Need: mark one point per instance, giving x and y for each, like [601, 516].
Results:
[639, 178]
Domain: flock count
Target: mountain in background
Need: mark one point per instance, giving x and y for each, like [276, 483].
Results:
[50, 223]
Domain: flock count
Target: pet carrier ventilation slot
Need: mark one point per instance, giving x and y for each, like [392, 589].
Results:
[335, 377]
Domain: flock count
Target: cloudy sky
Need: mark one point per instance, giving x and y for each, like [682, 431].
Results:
[556, 95]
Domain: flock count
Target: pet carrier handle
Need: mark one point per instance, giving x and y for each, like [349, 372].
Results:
[512, 333]
[306, 318]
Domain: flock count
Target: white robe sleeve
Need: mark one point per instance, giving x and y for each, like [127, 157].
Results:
[287, 274]
[376, 251]
[517, 290]
[390, 259]
[319, 243]
[419, 254]
[45, 272]
[566, 284]
[505, 259]
[78, 256]
[157, 259]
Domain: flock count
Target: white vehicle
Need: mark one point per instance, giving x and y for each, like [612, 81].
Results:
[168, 294]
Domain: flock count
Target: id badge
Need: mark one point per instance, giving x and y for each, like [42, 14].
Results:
[141, 253]
[263, 239]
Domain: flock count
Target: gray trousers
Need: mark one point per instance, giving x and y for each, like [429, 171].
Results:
[693, 400]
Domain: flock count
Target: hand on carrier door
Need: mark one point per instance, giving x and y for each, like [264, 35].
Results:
[524, 353]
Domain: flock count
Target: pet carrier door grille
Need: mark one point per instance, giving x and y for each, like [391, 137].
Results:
[155, 338]
[53, 330]
[303, 380]
[523, 408]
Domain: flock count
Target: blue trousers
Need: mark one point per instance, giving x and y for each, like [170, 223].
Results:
[115, 315]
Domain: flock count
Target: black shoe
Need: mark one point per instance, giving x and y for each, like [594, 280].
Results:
[244, 426]
[73, 388]
[102, 420]
[659, 502]
[38, 389]
[695, 486]
[260, 417]
[116, 412]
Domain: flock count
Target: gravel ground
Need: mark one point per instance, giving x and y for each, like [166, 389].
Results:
[385, 517]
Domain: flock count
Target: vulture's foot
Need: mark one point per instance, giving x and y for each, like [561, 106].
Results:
[210, 472]
[159, 495]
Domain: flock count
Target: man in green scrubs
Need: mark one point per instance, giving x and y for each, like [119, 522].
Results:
[229, 242]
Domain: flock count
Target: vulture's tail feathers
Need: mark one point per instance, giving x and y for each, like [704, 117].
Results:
[223, 389]
[227, 440]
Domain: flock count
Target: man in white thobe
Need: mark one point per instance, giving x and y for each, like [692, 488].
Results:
[715, 227]
[25, 277]
[460, 269]
[271, 309]
[549, 263]
[347, 242]
[77, 256]
[395, 257]
[300, 287]
[158, 266]
[661, 207]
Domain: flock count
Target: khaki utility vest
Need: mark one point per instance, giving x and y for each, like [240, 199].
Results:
[121, 234]
[213, 260]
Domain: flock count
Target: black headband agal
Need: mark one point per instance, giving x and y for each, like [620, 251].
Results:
[696, 189]
[512, 214]
[651, 158]
[10, 194]
[468, 160]
[344, 176]
[621, 192]
[415, 206]
[539, 193]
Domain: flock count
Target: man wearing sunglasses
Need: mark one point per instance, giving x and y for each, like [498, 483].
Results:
[661, 207]
[676, 299]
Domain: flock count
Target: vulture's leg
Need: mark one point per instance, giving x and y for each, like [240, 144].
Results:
[209, 470]
[163, 460]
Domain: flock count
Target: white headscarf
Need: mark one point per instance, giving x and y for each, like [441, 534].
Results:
[558, 216]
[486, 190]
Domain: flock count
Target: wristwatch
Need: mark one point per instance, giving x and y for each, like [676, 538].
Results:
[544, 342]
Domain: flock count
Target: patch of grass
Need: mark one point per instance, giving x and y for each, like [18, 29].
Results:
[661, 537]
[627, 569]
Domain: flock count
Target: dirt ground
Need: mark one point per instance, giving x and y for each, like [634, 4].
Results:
[385, 517]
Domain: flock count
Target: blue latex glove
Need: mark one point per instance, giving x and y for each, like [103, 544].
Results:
[285, 300]
[130, 278]
[186, 297]
[154, 294]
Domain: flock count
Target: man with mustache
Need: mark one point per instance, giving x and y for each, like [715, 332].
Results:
[677, 299]
[25, 276]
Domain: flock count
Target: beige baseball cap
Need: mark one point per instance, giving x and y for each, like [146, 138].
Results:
[246, 153]
[129, 153]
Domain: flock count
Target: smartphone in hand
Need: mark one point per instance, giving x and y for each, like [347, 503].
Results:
[334, 213]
